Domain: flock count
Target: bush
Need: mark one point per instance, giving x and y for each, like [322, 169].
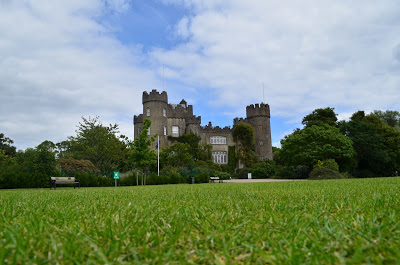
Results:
[298, 172]
[328, 163]
[263, 170]
[93, 180]
[325, 173]
[241, 173]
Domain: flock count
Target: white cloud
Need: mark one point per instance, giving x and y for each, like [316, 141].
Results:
[309, 54]
[58, 64]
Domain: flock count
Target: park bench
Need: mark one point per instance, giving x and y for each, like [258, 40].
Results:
[64, 180]
[213, 179]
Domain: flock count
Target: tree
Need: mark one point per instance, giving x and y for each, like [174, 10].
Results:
[97, 143]
[390, 117]
[6, 145]
[307, 146]
[372, 157]
[320, 117]
[140, 155]
[199, 151]
[177, 155]
[243, 135]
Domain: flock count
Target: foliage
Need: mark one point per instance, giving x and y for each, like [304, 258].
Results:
[319, 173]
[293, 172]
[320, 117]
[75, 165]
[307, 146]
[243, 135]
[328, 163]
[176, 155]
[276, 155]
[94, 180]
[140, 155]
[31, 168]
[198, 151]
[390, 117]
[263, 170]
[6, 145]
[97, 143]
[377, 145]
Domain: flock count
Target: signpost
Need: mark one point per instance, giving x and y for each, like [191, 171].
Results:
[116, 176]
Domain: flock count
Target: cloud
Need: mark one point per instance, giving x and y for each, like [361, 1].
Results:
[309, 54]
[58, 63]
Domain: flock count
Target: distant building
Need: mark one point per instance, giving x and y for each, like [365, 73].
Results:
[177, 119]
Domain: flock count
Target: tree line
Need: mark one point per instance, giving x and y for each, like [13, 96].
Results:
[367, 145]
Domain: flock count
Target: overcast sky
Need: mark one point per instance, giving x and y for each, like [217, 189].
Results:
[61, 60]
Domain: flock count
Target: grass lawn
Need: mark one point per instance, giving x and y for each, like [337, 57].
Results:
[352, 221]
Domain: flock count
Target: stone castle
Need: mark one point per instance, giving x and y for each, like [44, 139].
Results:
[177, 119]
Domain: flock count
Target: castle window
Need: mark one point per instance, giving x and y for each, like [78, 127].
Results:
[148, 112]
[217, 140]
[148, 132]
[164, 113]
[165, 130]
[175, 131]
[261, 143]
[220, 157]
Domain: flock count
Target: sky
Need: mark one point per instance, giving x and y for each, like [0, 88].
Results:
[67, 59]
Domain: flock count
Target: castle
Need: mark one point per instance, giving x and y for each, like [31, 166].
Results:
[177, 119]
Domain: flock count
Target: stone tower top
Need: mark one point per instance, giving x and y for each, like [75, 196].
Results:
[258, 110]
[155, 96]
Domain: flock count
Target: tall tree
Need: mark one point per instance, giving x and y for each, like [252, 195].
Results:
[140, 155]
[243, 135]
[177, 155]
[320, 117]
[97, 143]
[373, 158]
[198, 151]
[307, 146]
[390, 117]
[6, 145]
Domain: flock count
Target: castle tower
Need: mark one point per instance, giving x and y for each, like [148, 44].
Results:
[155, 109]
[258, 116]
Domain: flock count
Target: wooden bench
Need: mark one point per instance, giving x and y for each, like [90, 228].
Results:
[64, 180]
[213, 179]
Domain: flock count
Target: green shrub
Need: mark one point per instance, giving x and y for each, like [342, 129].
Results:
[325, 173]
[223, 175]
[328, 163]
[93, 180]
[298, 172]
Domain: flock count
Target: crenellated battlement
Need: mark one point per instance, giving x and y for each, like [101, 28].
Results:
[215, 130]
[138, 119]
[193, 120]
[155, 96]
[258, 110]
[238, 120]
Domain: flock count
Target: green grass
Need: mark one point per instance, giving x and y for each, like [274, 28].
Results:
[313, 222]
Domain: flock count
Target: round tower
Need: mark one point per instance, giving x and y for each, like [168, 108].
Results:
[155, 109]
[258, 116]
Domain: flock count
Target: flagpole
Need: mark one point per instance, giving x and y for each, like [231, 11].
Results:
[158, 155]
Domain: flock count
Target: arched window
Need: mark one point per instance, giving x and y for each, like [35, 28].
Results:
[148, 132]
[148, 112]
[164, 113]
[165, 130]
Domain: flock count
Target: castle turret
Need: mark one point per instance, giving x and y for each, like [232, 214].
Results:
[258, 116]
[155, 109]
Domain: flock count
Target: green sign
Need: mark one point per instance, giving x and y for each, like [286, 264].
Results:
[116, 175]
